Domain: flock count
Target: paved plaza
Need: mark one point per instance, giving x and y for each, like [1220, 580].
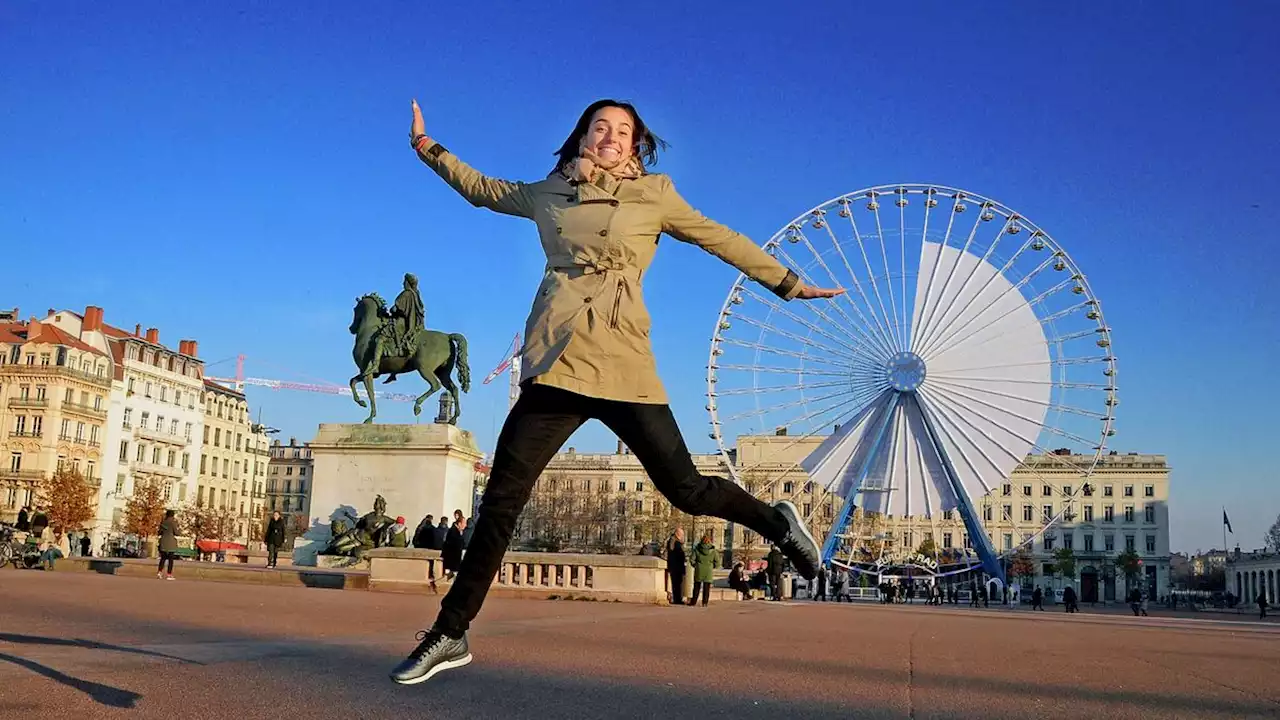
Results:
[88, 645]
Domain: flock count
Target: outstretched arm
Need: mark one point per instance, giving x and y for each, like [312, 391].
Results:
[682, 222]
[503, 196]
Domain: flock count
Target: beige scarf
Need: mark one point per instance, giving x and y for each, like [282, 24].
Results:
[591, 168]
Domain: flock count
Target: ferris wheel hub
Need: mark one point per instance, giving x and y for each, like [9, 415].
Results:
[905, 372]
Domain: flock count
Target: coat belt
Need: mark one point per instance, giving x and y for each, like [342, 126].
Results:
[601, 268]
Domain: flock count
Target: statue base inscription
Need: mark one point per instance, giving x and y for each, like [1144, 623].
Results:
[418, 469]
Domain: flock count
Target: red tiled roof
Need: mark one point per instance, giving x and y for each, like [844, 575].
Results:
[112, 331]
[48, 335]
[51, 334]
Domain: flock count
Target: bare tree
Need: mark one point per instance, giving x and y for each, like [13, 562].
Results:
[1272, 538]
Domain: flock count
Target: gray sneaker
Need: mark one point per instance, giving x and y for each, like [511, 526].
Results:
[798, 545]
[435, 652]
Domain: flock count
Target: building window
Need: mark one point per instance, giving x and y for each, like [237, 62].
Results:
[1008, 541]
[124, 450]
[968, 544]
[1151, 544]
[986, 513]
[1047, 491]
[146, 419]
[1149, 514]
[1128, 491]
[1007, 490]
[142, 453]
[1129, 543]
[173, 428]
[948, 514]
[787, 488]
[1088, 513]
[1108, 491]
[173, 458]
[1088, 542]
[807, 509]
[1048, 542]
[155, 455]
[1109, 543]
[946, 541]
[1068, 540]
[147, 393]
[1026, 490]
[1128, 513]
[1108, 513]
[1048, 512]
[1149, 491]
[187, 434]
[1028, 513]
[15, 461]
[1008, 512]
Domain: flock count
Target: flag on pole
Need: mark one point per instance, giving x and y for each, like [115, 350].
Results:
[1227, 521]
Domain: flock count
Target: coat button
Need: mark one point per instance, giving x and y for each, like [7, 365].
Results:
[559, 230]
[586, 300]
[603, 233]
[613, 203]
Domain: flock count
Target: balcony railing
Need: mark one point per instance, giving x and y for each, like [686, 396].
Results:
[102, 381]
[29, 475]
[161, 436]
[28, 403]
[25, 434]
[83, 409]
[155, 469]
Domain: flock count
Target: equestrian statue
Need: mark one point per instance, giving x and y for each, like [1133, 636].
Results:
[394, 341]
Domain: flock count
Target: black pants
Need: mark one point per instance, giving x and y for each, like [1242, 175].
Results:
[541, 421]
[165, 556]
[677, 588]
[273, 554]
[705, 587]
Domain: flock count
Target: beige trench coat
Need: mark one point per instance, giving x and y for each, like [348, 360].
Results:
[588, 331]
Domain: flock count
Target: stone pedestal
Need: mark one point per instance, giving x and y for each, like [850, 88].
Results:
[418, 469]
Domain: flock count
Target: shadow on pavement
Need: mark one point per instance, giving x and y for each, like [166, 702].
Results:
[103, 694]
[87, 644]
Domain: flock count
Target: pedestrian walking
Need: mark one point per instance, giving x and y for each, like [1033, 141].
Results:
[274, 538]
[168, 532]
[704, 568]
[587, 352]
[1262, 605]
[676, 566]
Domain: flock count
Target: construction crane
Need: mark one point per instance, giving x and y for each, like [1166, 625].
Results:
[239, 381]
[511, 362]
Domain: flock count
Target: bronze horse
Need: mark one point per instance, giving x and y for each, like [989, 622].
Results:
[435, 357]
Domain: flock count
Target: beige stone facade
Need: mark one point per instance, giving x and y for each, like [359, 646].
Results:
[233, 464]
[54, 396]
[290, 470]
[606, 502]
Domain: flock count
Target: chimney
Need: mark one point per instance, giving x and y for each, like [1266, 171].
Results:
[92, 319]
[137, 330]
[153, 336]
[621, 450]
[187, 347]
[33, 329]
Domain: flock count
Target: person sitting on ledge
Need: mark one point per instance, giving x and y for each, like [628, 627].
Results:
[587, 353]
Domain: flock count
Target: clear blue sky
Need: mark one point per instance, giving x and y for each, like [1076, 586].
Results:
[225, 174]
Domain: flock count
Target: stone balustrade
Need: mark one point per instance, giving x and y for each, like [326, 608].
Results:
[621, 578]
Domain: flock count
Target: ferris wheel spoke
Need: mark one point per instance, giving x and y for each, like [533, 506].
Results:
[855, 348]
[783, 406]
[940, 342]
[941, 325]
[1100, 359]
[798, 387]
[888, 279]
[793, 336]
[839, 308]
[808, 279]
[948, 386]
[859, 406]
[1022, 381]
[781, 370]
[1083, 334]
[957, 417]
[884, 316]
[931, 302]
[762, 348]
[881, 331]
[1049, 428]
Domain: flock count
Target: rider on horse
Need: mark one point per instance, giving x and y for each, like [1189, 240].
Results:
[398, 337]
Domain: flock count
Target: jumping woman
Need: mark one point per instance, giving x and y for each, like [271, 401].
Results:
[587, 352]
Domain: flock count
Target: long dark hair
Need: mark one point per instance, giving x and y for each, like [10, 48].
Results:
[645, 143]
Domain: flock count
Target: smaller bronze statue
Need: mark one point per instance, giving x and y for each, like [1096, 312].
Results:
[369, 532]
[395, 341]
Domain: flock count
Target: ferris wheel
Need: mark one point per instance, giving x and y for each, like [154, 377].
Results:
[967, 339]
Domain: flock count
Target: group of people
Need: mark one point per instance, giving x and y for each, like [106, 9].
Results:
[703, 560]
[32, 528]
[449, 539]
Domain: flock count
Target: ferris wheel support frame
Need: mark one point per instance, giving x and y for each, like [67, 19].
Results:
[968, 513]
[841, 524]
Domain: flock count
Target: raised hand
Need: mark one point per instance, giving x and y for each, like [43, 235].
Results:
[417, 127]
[808, 292]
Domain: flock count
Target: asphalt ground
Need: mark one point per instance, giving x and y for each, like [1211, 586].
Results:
[84, 645]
